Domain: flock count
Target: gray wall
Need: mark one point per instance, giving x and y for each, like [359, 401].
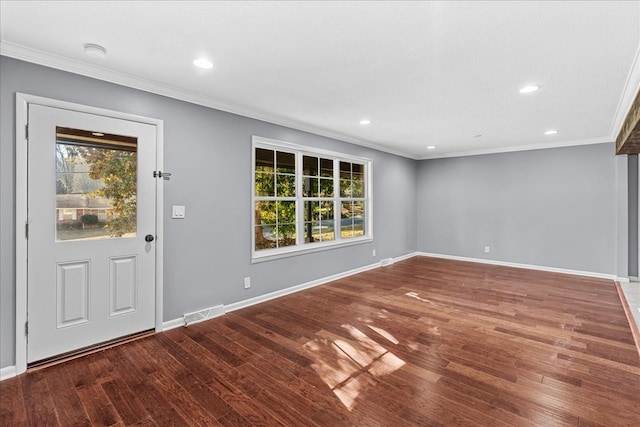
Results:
[208, 151]
[553, 208]
[569, 208]
[633, 215]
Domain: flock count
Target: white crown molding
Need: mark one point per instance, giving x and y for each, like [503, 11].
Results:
[35, 56]
[542, 146]
[631, 88]
[46, 59]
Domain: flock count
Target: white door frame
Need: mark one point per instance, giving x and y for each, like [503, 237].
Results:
[22, 104]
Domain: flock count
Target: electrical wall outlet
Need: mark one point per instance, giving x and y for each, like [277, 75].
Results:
[487, 249]
[374, 253]
[247, 282]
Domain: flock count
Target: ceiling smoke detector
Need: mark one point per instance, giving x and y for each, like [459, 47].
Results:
[95, 50]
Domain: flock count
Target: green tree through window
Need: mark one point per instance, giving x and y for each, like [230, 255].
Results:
[303, 199]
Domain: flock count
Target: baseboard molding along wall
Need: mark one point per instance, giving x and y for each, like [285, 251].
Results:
[176, 323]
[10, 371]
[7, 372]
[525, 266]
[172, 324]
[272, 295]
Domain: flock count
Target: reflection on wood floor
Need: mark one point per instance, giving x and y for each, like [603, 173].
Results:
[422, 342]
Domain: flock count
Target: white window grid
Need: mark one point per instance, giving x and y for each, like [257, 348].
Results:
[300, 246]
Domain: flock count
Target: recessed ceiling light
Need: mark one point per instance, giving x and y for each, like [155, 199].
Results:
[529, 89]
[95, 50]
[551, 132]
[97, 133]
[203, 63]
[365, 122]
[431, 147]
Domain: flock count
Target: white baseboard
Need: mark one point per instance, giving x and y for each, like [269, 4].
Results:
[526, 266]
[623, 279]
[172, 324]
[407, 256]
[266, 297]
[176, 323]
[7, 372]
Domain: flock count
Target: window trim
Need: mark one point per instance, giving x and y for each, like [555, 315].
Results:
[300, 247]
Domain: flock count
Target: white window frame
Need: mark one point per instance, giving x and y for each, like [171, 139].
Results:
[301, 247]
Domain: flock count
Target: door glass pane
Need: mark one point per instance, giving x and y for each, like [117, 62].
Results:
[96, 176]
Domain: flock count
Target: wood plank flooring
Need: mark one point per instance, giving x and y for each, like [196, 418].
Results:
[422, 342]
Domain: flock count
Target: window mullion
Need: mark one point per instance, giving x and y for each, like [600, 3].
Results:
[337, 206]
[299, 201]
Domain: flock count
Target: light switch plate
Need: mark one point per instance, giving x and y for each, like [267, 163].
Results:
[178, 212]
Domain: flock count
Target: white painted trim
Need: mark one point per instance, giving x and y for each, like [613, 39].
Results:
[60, 63]
[172, 324]
[516, 148]
[407, 256]
[22, 103]
[629, 92]
[622, 279]
[293, 289]
[266, 297]
[22, 118]
[35, 56]
[518, 265]
[7, 372]
[312, 151]
[634, 279]
[299, 151]
[176, 323]
[316, 247]
[159, 225]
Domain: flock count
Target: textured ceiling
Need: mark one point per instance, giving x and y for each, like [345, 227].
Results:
[423, 73]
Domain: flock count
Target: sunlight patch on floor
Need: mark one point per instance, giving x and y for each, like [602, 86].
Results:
[417, 296]
[350, 366]
[384, 333]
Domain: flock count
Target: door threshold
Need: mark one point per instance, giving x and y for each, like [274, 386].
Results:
[84, 351]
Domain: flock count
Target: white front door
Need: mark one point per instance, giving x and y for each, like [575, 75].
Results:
[92, 218]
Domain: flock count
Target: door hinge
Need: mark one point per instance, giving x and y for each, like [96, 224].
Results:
[163, 175]
[26, 131]
[26, 230]
[26, 328]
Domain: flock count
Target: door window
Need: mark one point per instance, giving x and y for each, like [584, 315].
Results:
[96, 176]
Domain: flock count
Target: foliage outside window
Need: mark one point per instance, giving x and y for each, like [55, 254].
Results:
[306, 199]
[96, 185]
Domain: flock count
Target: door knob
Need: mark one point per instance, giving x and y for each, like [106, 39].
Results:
[149, 238]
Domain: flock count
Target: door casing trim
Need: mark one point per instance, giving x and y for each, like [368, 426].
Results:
[22, 116]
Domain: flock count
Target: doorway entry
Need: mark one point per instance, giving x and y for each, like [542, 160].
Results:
[91, 231]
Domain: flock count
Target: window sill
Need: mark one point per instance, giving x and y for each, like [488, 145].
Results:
[274, 254]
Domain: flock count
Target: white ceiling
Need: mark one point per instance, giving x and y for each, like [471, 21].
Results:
[424, 73]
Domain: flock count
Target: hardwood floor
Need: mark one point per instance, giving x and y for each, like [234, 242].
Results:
[422, 342]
